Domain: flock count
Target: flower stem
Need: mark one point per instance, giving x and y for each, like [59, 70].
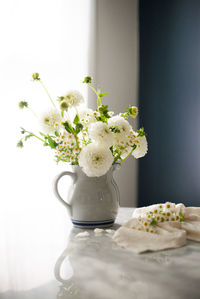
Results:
[98, 97]
[76, 138]
[35, 136]
[84, 140]
[39, 138]
[127, 156]
[47, 93]
[33, 112]
[68, 116]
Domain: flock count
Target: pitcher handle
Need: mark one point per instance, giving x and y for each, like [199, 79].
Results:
[73, 175]
[58, 266]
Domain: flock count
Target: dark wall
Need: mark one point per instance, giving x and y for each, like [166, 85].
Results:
[169, 101]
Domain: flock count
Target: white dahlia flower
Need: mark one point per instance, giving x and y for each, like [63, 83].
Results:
[142, 147]
[95, 160]
[101, 133]
[73, 98]
[121, 126]
[86, 116]
[50, 120]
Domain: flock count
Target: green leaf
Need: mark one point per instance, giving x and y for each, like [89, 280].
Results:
[76, 119]
[56, 133]
[52, 142]
[62, 113]
[68, 127]
[23, 131]
[103, 94]
[78, 128]
[98, 118]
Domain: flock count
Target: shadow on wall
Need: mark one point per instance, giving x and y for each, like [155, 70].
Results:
[169, 95]
[114, 66]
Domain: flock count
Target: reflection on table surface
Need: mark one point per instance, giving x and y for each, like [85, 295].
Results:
[48, 262]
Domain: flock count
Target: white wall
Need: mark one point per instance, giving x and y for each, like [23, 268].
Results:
[114, 66]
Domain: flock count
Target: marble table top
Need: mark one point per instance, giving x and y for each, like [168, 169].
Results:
[49, 262]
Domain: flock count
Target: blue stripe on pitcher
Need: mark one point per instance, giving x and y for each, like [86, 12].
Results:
[92, 223]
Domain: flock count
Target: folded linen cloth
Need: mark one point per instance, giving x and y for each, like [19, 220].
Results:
[158, 227]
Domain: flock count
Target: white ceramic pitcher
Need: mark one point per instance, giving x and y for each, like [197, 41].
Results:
[91, 201]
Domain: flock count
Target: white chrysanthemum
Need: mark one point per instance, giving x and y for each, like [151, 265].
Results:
[73, 98]
[121, 124]
[95, 159]
[49, 119]
[142, 147]
[101, 133]
[86, 116]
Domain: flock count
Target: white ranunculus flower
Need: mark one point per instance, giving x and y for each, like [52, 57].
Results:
[73, 98]
[142, 147]
[100, 132]
[121, 124]
[50, 121]
[95, 159]
[86, 116]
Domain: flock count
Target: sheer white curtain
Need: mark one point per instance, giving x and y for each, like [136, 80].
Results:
[51, 37]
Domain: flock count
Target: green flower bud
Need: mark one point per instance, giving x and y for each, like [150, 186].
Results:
[134, 111]
[87, 79]
[141, 132]
[64, 106]
[35, 76]
[23, 104]
[20, 144]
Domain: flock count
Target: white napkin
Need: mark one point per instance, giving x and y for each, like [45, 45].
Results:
[169, 234]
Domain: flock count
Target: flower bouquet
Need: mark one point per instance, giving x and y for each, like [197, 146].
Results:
[94, 140]
[94, 143]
